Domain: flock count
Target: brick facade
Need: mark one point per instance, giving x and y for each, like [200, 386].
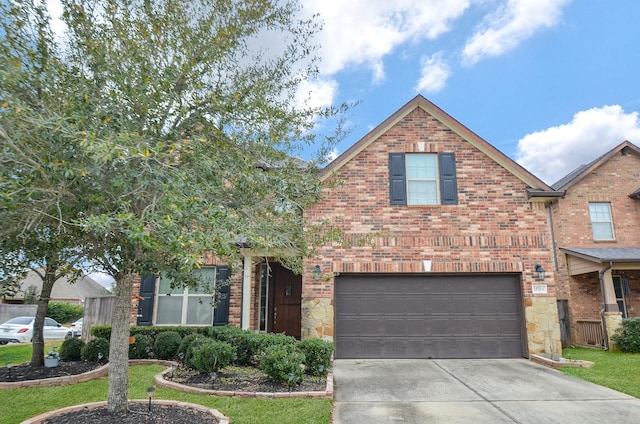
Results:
[494, 228]
[612, 180]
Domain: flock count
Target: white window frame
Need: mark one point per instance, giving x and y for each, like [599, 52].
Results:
[428, 179]
[184, 293]
[263, 297]
[598, 220]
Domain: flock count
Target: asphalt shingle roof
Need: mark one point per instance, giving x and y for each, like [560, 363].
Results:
[606, 254]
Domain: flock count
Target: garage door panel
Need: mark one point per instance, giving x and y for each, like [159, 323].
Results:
[428, 317]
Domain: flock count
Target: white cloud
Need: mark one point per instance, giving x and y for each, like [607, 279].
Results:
[317, 94]
[363, 32]
[435, 72]
[510, 25]
[552, 153]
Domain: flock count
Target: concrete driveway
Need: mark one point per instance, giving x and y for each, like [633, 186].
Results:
[471, 391]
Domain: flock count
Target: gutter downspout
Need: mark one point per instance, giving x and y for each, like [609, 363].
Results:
[604, 303]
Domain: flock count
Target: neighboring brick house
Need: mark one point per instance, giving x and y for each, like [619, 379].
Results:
[596, 226]
[444, 235]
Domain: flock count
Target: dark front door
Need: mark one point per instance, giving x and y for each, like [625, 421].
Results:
[286, 289]
[145, 305]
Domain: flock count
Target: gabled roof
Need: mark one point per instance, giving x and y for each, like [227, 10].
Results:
[63, 289]
[420, 102]
[580, 172]
[635, 194]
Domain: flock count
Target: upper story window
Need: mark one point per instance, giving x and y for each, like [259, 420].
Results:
[422, 182]
[601, 222]
[422, 179]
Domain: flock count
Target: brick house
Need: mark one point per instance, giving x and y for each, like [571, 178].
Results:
[446, 232]
[596, 226]
[443, 235]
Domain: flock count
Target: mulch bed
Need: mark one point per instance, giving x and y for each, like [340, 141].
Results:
[64, 368]
[138, 414]
[245, 379]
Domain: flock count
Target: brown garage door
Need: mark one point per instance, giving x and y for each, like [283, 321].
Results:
[408, 316]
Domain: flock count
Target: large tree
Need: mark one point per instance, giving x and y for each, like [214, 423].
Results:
[180, 121]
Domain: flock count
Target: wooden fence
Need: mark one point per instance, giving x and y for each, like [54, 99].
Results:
[97, 311]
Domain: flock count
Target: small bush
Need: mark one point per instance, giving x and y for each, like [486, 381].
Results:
[185, 348]
[628, 335]
[283, 363]
[64, 312]
[212, 355]
[71, 349]
[167, 344]
[93, 347]
[141, 348]
[102, 331]
[317, 355]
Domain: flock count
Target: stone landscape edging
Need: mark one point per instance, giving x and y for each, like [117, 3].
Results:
[327, 393]
[160, 381]
[220, 418]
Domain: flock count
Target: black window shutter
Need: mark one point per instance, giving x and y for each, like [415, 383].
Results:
[448, 180]
[397, 179]
[221, 313]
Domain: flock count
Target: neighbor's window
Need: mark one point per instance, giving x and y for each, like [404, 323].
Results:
[186, 305]
[422, 179]
[601, 222]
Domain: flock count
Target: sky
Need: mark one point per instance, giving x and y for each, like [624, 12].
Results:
[553, 84]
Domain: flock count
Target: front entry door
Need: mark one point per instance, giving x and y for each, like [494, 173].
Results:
[286, 301]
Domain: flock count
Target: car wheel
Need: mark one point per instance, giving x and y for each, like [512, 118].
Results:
[3, 342]
[69, 335]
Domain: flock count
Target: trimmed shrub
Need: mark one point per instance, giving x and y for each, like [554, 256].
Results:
[317, 355]
[141, 348]
[628, 335]
[64, 312]
[102, 331]
[167, 344]
[283, 363]
[212, 355]
[93, 347]
[71, 349]
[185, 348]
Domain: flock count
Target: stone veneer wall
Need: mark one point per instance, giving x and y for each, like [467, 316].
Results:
[543, 331]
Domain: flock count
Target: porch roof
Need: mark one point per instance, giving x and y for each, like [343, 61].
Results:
[605, 254]
[582, 260]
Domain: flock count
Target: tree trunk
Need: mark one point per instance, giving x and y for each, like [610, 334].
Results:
[119, 346]
[37, 357]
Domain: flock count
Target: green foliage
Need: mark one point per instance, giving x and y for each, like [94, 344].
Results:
[317, 355]
[211, 355]
[265, 341]
[71, 349]
[64, 312]
[141, 348]
[628, 335]
[93, 347]
[283, 363]
[189, 343]
[31, 296]
[247, 343]
[167, 344]
[102, 331]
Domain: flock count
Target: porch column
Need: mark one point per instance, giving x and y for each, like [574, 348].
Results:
[608, 292]
[247, 277]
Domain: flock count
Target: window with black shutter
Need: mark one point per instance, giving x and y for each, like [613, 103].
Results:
[422, 179]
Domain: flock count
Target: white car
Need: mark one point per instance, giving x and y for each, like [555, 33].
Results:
[76, 328]
[20, 330]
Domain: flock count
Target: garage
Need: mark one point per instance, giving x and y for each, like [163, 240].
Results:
[428, 316]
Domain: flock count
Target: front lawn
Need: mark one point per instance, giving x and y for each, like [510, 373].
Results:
[20, 404]
[616, 370]
[20, 353]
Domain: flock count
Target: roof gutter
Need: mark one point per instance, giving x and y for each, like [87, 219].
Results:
[544, 194]
[604, 304]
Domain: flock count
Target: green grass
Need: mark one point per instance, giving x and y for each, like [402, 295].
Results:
[616, 370]
[26, 403]
[20, 353]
